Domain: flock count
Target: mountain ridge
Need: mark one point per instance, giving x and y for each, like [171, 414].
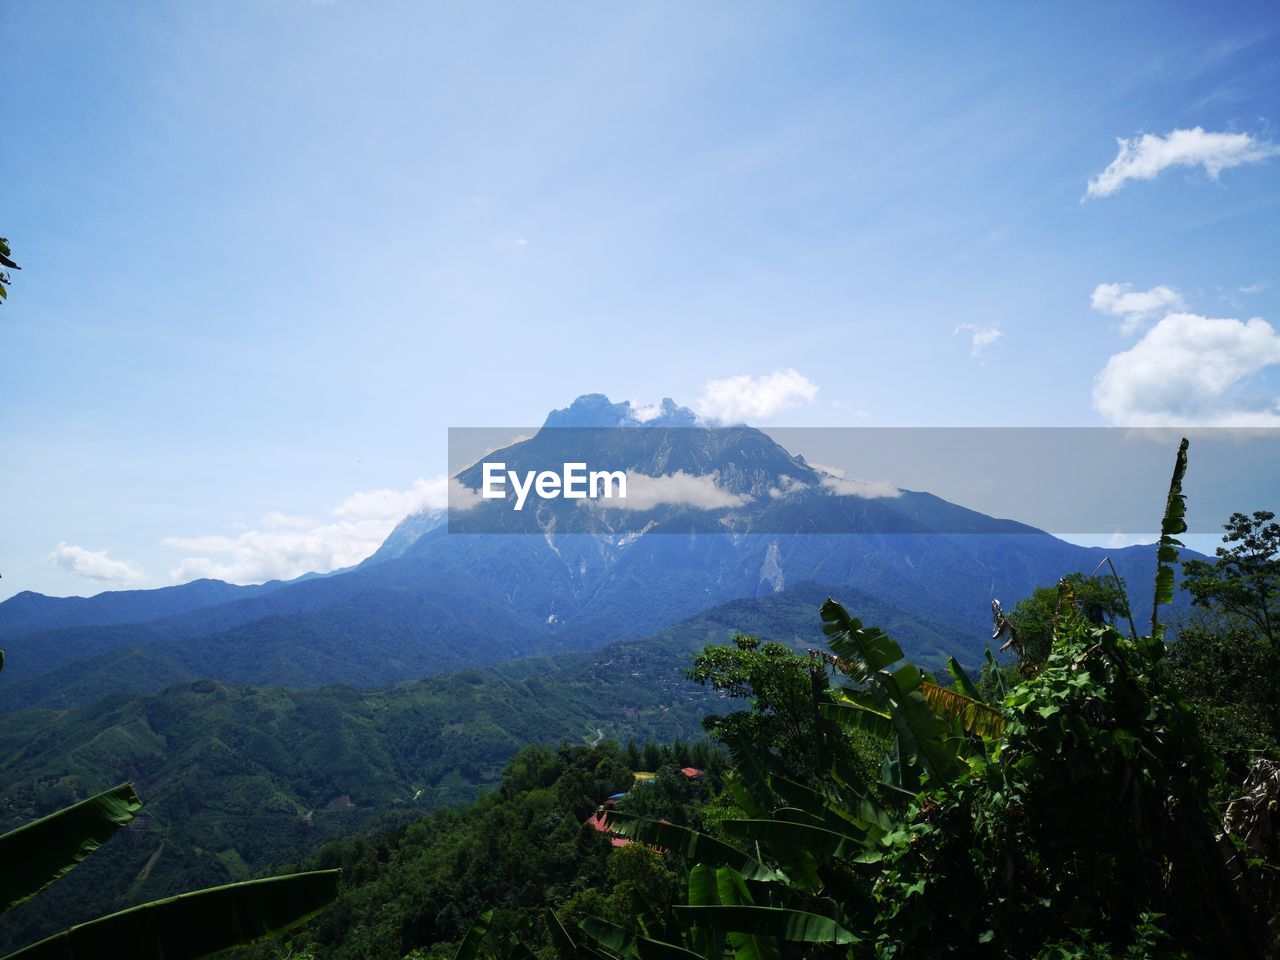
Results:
[562, 577]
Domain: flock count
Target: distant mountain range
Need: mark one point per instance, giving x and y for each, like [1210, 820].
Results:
[558, 577]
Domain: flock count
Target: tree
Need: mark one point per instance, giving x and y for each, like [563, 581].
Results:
[780, 684]
[1100, 600]
[1244, 582]
[6, 264]
[1231, 675]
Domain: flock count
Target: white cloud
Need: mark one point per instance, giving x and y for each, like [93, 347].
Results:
[980, 337]
[787, 486]
[1135, 307]
[843, 486]
[1144, 157]
[394, 505]
[283, 546]
[830, 471]
[1188, 370]
[744, 398]
[645, 492]
[96, 565]
[835, 481]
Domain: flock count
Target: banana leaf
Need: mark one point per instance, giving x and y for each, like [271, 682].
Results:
[963, 683]
[1173, 523]
[39, 852]
[692, 845]
[972, 715]
[195, 924]
[469, 948]
[796, 926]
[785, 839]
[867, 649]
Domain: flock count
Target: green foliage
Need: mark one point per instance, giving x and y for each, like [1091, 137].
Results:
[779, 682]
[1099, 600]
[1226, 660]
[197, 924]
[6, 264]
[184, 927]
[1231, 675]
[239, 780]
[519, 850]
[39, 852]
[1244, 582]
[1171, 525]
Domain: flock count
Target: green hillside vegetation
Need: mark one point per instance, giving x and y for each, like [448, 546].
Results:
[523, 848]
[240, 779]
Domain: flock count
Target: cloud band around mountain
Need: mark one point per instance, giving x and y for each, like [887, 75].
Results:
[701, 492]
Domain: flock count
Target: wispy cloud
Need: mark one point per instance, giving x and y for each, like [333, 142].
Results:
[835, 482]
[283, 546]
[788, 486]
[681, 489]
[96, 565]
[744, 398]
[979, 337]
[1135, 307]
[865, 489]
[1145, 157]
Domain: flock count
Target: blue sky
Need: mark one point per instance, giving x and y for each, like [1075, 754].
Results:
[272, 249]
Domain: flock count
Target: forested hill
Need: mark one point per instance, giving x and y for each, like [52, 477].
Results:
[238, 778]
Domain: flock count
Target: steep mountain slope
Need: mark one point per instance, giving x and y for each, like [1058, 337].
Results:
[495, 583]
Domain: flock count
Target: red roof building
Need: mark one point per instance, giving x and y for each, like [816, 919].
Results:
[599, 824]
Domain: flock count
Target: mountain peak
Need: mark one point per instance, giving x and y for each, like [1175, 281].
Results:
[596, 410]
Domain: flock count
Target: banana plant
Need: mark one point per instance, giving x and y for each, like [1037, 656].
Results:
[1172, 524]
